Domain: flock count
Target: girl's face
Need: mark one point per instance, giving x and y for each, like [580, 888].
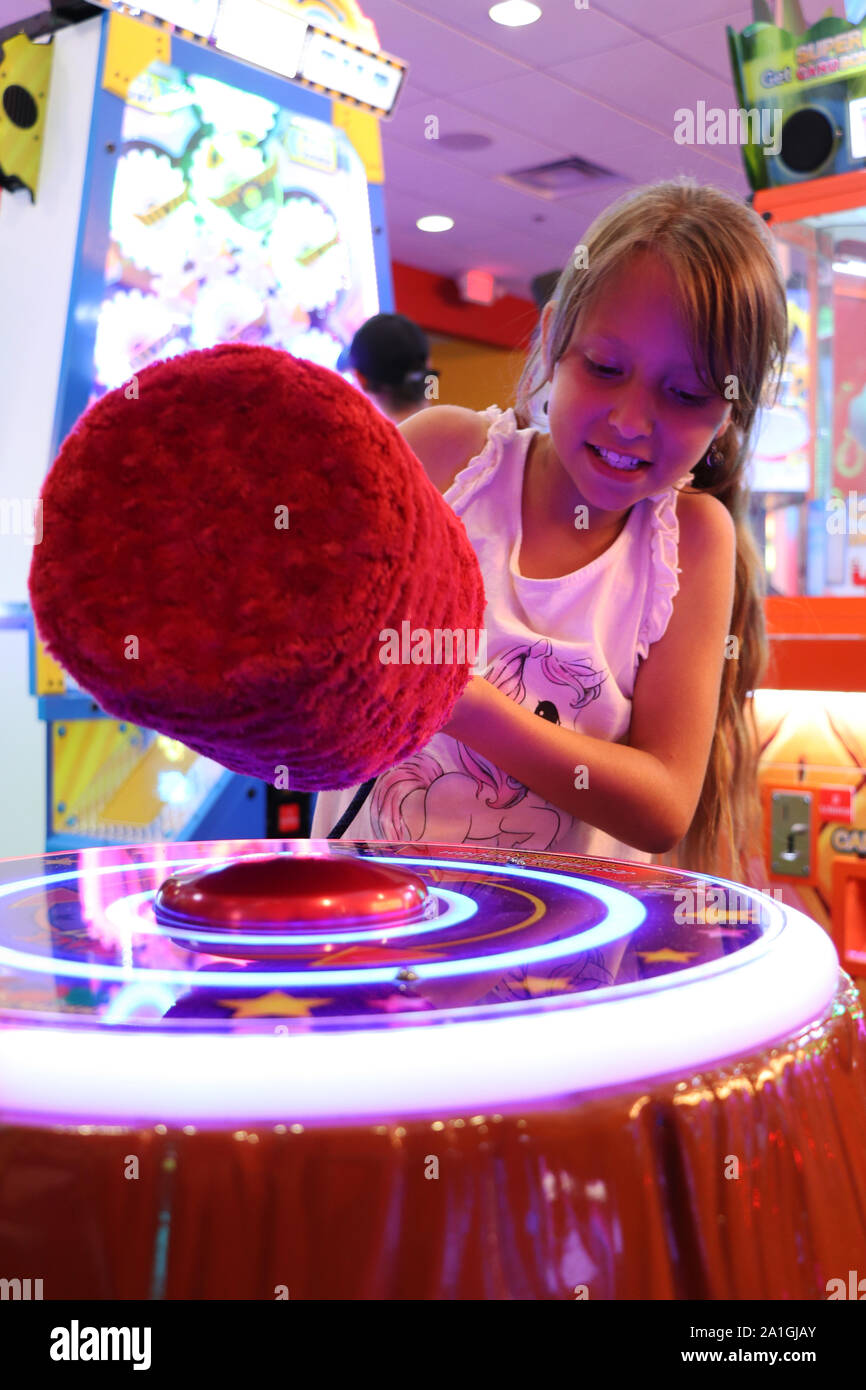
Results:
[626, 389]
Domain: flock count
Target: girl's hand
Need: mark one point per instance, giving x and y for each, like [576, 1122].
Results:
[471, 706]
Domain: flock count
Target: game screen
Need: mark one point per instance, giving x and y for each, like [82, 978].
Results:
[783, 448]
[232, 220]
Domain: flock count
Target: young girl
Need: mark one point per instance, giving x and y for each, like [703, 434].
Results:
[624, 616]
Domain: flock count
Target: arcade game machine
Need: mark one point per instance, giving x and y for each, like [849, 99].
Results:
[371, 1069]
[365, 1069]
[809, 469]
[233, 192]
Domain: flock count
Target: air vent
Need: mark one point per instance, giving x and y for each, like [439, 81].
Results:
[561, 179]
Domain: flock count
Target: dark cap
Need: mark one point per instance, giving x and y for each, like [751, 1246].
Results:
[388, 350]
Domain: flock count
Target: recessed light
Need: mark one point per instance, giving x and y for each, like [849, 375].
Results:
[514, 13]
[435, 224]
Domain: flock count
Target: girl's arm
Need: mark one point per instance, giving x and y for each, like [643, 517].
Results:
[645, 792]
[444, 439]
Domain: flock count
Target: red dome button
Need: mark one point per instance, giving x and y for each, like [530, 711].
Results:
[286, 891]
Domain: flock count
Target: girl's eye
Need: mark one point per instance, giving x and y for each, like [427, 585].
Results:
[603, 369]
[688, 398]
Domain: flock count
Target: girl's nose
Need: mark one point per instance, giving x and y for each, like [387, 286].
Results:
[631, 416]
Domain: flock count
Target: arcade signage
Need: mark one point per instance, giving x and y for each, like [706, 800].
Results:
[813, 78]
[845, 841]
[836, 804]
[784, 64]
[271, 35]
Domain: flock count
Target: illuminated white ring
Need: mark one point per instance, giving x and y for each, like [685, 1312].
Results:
[68, 1075]
[676, 1025]
[629, 912]
[123, 914]
[133, 996]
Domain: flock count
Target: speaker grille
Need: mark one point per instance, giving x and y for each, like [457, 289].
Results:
[19, 106]
[808, 138]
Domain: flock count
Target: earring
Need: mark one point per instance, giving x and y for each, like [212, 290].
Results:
[715, 457]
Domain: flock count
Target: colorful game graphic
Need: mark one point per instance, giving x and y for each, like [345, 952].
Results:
[539, 970]
[781, 459]
[232, 220]
[482, 940]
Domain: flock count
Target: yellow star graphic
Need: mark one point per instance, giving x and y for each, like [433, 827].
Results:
[666, 954]
[534, 984]
[51, 897]
[275, 1004]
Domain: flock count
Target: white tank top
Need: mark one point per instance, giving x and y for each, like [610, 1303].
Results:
[566, 648]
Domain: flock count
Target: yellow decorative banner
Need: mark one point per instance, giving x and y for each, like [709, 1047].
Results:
[131, 48]
[50, 678]
[362, 129]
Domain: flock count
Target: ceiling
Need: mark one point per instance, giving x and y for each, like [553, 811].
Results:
[602, 83]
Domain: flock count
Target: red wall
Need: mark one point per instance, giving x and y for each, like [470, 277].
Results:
[433, 302]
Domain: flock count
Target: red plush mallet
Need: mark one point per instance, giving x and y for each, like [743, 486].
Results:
[222, 548]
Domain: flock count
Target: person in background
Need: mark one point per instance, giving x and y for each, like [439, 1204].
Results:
[388, 358]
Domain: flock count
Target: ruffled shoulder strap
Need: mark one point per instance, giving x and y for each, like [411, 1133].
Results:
[664, 581]
[479, 470]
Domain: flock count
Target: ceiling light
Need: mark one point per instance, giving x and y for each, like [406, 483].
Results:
[434, 224]
[514, 13]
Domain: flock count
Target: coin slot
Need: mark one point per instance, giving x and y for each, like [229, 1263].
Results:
[791, 834]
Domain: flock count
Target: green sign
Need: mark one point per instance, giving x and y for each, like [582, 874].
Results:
[780, 69]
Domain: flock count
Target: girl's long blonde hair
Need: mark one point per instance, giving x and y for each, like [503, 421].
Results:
[733, 303]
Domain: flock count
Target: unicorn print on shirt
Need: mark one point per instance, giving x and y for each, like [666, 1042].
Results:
[476, 803]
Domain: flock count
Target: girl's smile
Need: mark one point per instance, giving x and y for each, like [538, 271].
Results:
[618, 461]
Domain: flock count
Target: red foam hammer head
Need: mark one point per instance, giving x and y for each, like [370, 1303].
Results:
[222, 549]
